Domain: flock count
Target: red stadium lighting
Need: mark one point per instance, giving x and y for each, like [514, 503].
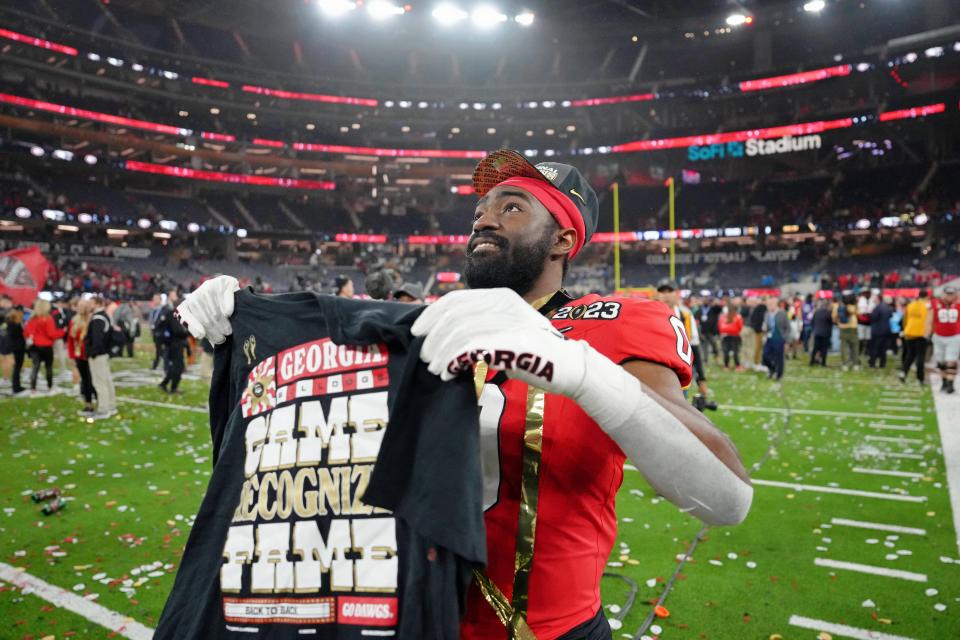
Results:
[454, 240]
[37, 42]
[463, 190]
[914, 112]
[388, 153]
[209, 82]
[60, 109]
[311, 97]
[791, 79]
[219, 137]
[595, 102]
[233, 178]
[361, 237]
[263, 142]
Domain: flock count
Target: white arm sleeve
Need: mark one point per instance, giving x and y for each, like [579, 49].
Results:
[672, 459]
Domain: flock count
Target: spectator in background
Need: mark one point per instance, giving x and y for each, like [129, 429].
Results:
[409, 292]
[807, 309]
[61, 314]
[175, 344]
[880, 333]
[845, 317]
[778, 333]
[41, 332]
[730, 324]
[896, 325]
[758, 322]
[914, 336]
[6, 355]
[156, 308]
[865, 306]
[18, 347]
[76, 348]
[98, 343]
[822, 323]
[343, 287]
[125, 318]
[711, 311]
[746, 334]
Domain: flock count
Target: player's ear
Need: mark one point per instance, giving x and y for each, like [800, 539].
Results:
[565, 241]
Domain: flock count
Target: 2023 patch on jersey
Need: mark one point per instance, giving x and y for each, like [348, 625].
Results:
[315, 393]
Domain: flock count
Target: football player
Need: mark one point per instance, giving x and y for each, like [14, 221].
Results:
[569, 390]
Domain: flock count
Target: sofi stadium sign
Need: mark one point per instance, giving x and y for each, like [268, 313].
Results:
[754, 147]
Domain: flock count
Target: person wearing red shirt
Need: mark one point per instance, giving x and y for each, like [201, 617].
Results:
[731, 323]
[41, 332]
[77, 350]
[569, 388]
[943, 323]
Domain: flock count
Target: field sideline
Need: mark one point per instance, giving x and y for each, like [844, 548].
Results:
[851, 532]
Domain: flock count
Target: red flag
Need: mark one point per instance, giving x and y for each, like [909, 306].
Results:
[23, 273]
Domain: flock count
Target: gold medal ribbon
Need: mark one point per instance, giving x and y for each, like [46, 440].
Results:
[513, 613]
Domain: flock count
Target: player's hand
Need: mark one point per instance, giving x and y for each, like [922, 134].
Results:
[501, 328]
[206, 312]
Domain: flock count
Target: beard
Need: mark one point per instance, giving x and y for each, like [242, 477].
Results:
[514, 266]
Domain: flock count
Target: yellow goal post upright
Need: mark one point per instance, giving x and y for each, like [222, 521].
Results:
[616, 240]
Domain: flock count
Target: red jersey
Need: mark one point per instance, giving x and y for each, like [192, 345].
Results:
[76, 349]
[581, 469]
[946, 318]
[43, 330]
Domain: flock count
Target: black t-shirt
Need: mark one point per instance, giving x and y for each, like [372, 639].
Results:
[309, 394]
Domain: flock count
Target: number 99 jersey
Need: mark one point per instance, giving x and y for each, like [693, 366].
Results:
[581, 469]
[946, 318]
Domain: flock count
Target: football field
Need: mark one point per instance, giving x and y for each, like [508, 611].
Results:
[851, 535]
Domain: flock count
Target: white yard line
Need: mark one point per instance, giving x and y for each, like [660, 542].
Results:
[163, 405]
[869, 568]
[815, 412]
[887, 472]
[842, 630]
[115, 622]
[895, 427]
[898, 440]
[948, 410]
[846, 492]
[876, 526]
[887, 407]
[888, 454]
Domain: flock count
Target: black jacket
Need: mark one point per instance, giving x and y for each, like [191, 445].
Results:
[880, 319]
[757, 317]
[99, 338]
[14, 340]
[822, 323]
[169, 329]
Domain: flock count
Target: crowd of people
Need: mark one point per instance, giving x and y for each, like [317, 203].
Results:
[760, 333]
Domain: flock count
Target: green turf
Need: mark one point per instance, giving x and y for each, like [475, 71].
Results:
[136, 480]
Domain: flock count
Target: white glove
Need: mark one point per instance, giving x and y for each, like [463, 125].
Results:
[206, 312]
[501, 328]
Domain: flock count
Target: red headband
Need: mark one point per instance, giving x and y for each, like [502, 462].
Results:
[561, 207]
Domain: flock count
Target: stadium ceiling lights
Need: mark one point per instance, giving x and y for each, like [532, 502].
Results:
[738, 19]
[524, 19]
[814, 6]
[447, 14]
[336, 8]
[485, 17]
[382, 10]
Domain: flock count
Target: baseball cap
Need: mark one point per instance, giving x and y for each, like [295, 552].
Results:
[411, 289]
[667, 283]
[950, 289]
[561, 188]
